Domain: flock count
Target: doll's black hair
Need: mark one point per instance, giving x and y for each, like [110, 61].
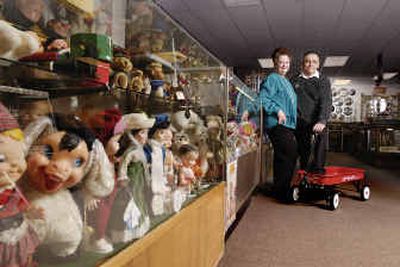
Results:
[186, 148]
[75, 131]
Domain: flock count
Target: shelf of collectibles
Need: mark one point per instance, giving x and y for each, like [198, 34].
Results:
[119, 119]
[243, 147]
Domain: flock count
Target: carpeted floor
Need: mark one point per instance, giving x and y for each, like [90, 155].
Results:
[305, 234]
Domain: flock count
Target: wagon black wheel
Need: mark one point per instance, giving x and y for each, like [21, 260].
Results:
[333, 200]
[294, 194]
[365, 193]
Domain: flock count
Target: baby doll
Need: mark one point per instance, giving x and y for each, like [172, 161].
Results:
[188, 155]
[130, 210]
[67, 155]
[18, 241]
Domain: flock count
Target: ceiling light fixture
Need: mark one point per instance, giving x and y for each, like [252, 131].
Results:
[237, 3]
[389, 75]
[341, 82]
[335, 61]
[266, 63]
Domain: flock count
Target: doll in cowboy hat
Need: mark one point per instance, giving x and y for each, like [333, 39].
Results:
[66, 156]
[18, 241]
[130, 212]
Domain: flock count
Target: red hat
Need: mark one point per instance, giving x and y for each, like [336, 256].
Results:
[7, 121]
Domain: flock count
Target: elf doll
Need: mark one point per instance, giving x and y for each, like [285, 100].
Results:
[66, 156]
[18, 241]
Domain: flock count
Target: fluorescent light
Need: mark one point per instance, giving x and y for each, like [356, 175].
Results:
[266, 63]
[389, 75]
[335, 61]
[236, 3]
[341, 82]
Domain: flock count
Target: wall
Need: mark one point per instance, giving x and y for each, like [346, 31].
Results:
[361, 86]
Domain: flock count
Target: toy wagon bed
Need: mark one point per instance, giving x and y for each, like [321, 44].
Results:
[329, 183]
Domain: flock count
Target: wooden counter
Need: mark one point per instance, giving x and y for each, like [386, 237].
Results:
[194, 237]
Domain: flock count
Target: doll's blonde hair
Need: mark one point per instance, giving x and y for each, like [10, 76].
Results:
[15, 134]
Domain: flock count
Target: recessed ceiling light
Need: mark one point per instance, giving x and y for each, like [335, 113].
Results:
[341, 82]
[389, 75]
[236, 3]
[266, 63]
[335, 61]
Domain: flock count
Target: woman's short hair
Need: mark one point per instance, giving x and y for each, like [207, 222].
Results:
[279, 52]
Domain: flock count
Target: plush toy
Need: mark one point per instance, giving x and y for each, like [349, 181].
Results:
[157, 41]
[16, 44]
[137, 81]
[130, 209]
[66, 156]
[122, 67]
[18, 241]
[214, 130]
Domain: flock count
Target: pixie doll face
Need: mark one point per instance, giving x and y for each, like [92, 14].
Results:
[59, 162]
[12, 160]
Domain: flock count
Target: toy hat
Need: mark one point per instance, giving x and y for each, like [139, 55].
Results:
[9, 125]
[7, 121]
[135, 121]
[162, 122]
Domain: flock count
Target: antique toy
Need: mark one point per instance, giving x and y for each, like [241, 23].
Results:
[131, 206]
[18, 241]
[66, 156]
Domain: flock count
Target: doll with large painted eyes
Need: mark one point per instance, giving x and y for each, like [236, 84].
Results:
[18, 241]
[188, 156]
[130, 212]
[66, 156]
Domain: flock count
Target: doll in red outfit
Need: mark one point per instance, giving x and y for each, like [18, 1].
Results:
[17, 239]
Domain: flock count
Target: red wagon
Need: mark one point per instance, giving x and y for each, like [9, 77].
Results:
[330, 184]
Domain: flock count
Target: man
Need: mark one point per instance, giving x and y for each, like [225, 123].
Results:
[314, 103]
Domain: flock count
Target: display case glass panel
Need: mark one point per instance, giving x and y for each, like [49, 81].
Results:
[119, 117]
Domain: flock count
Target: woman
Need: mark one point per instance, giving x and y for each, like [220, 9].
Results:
[278, 100]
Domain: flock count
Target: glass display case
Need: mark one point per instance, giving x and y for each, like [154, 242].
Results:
[119, 119]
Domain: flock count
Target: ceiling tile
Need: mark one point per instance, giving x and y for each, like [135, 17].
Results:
[203, 4]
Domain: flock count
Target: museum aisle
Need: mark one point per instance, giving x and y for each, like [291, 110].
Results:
[305, 234]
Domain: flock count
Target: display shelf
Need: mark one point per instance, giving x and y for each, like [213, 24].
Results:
[23, 91]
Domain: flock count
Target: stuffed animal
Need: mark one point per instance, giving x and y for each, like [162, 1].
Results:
[122, 67]
[18, 241]
[137, 81]
[67, 156]
[16, 44]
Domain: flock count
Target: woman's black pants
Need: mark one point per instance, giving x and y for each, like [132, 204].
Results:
[285, 156]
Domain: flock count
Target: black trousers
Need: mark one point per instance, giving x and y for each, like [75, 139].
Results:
[285, 156]
[304, 135]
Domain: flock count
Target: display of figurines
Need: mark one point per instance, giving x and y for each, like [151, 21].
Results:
[65, 163]
[18, 241]
[130, 211]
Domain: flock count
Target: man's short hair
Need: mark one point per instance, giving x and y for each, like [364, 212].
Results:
[315, 52]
